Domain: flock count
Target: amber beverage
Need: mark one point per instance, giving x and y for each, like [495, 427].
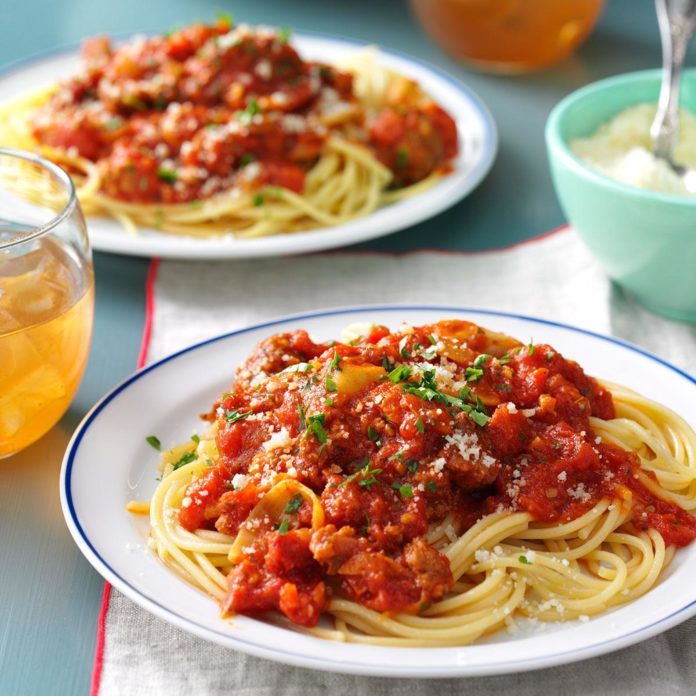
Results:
[508, 35]
[46, 298]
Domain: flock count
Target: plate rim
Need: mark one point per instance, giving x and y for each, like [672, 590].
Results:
[336, 665]
[204, 250]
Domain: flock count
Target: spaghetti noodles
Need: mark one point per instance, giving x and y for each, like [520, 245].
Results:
[214, 130]
[425, 487]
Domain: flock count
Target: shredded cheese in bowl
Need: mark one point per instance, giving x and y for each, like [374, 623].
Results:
[622, 149]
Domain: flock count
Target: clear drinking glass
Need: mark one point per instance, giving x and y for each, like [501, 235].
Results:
[46, 297]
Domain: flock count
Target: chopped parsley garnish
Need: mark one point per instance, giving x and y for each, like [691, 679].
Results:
[234, 415]
[402, 157]
[283, 527]
[405, 491]
[433, 339]
[549, 356]
[284, 35]
[524, 560]
[227, 395]
[473, 374]
[427, 390]
[258, 200]
[336, 361]
[386, 364]
[430, 485]
[187, 458]
[329, 402]
[168, 175]
[412, 466]
[398, 455]
[195, 438]
[531, 348]
[368, 476]
[330, 384]
[505, 359]
[294, 504]
[315, 426]
[420, 426]
[246, 158]
[372, 434]
[399, 374]
[252, 109]
[301, 413]
[154, 442]
[429, 354]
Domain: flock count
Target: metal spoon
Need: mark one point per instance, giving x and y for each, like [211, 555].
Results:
[677, 20]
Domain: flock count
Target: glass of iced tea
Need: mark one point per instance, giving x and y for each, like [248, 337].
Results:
[46, 297]
[508, 36]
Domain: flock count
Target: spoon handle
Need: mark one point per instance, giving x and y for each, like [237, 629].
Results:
[676, 19]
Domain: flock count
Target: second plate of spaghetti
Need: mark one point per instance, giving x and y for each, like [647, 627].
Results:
[221, 141]
[421, 494]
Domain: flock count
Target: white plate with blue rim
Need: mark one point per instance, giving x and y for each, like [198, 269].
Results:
[478, 147]
[164, 399]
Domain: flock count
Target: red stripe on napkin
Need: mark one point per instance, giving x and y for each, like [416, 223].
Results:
[106, 595]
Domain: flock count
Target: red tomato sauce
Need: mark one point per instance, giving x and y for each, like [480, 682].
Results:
[181, 117]
[393, 434]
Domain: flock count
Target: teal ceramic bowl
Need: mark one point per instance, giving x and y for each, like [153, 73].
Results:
[645, 240]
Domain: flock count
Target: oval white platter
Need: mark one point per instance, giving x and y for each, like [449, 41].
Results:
[108, 463]
[478, 141]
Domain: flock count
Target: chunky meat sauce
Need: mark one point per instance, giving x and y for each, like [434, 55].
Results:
[178, 118]
[393, 434]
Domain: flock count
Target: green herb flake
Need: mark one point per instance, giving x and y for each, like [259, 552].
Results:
[412, 466]
[531, 348]
[234, 415]
[154, 442]
[336, 361]
[368, 477]
[402, 155]
[246, 158]
[431, 486]
[329, 402]
[482, 359]
[303, 419]
[195, 438]
[549, 356]
[168, 175]
[187, 458]
[433, 339]
[283, 527]
[505, 359]
[315, 426]
[420, 426]
[398, 455]
[284, 35]
[330, 384]
[399, 374]
[524, 560]
[258, 200]
[405, 491]
[294, 504]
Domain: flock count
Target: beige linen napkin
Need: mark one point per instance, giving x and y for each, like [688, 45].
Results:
[552, 277]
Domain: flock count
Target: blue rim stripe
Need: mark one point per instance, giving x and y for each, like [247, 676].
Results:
[73, 447]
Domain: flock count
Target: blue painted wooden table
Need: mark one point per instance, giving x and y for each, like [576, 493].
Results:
[49, 595]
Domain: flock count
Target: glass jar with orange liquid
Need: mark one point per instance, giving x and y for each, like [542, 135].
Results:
[46, 297]
[508, 36]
